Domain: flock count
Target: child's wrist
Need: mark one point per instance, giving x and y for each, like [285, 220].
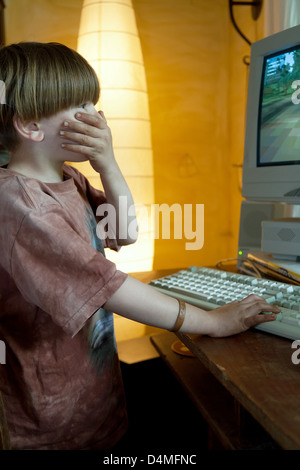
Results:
[109, 169]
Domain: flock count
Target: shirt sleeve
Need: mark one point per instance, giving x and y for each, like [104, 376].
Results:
[56, 268]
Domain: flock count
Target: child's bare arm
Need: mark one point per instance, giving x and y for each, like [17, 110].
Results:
[93, 139]
[143, 303]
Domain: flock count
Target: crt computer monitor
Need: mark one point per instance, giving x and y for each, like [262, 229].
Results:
[271, 169]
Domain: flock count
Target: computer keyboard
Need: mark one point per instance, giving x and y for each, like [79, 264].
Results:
[209, 288]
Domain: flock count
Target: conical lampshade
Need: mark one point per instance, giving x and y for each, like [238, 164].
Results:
[108, 39]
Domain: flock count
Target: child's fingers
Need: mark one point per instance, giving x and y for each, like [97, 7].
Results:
[101, 113]
[256, 304]
[251, 298]
[258, 319]
[76, 148]
[79, 127]
[79, 138]
[97, 120]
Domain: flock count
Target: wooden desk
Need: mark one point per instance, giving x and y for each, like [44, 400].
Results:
[257, 370]
[254, 368]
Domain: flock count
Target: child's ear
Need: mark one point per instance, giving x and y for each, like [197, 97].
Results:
[30, 130]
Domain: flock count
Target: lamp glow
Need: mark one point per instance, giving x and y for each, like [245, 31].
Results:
[108, 38]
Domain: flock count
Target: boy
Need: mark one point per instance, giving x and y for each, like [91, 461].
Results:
[61, 384]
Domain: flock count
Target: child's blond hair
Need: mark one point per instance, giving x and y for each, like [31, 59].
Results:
[40, 80]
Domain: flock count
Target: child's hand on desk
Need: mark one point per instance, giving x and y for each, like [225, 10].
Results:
[239, 316]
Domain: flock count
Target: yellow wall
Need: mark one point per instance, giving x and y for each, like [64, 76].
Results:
[42, 20]
[197, 92]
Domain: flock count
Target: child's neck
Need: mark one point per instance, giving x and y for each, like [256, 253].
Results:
[36, 167]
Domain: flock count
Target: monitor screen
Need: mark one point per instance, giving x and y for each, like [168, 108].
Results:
[279, 117]
[271, 166]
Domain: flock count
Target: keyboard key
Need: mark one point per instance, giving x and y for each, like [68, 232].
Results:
[291, 321]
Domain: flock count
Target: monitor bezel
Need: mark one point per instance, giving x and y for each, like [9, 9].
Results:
[273, 183]
[258, 150]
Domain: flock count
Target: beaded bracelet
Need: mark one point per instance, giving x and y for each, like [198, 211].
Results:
[181, 316]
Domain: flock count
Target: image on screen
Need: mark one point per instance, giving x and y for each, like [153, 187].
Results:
[279, 113]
